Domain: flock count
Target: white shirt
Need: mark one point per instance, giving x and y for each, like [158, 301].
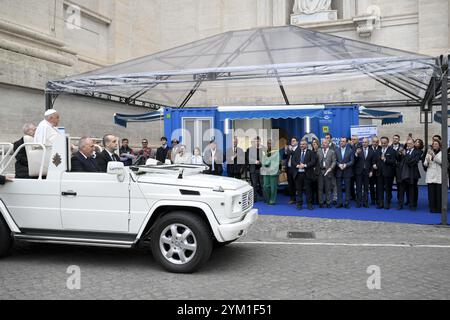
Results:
[46, 133]
[198, 160]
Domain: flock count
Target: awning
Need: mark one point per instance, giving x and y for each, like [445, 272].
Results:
[270, 112]
[124, 119]
[438, 116]
[386, 117]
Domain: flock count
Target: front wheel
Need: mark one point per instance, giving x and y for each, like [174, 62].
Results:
[6, 240]
[181, 242]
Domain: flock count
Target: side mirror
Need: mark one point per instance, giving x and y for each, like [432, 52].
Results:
[118, 169]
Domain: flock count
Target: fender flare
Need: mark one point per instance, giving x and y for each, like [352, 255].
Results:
[8, 218]
[183, 204]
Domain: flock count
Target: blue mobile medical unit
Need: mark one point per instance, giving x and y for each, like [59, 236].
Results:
[292, 121]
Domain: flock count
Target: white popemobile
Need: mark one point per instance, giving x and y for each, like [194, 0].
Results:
[181, 212]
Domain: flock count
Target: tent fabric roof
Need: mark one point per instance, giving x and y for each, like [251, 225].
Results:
[386, 117]
[262, 66]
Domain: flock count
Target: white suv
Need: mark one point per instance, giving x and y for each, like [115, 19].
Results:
[178, 209]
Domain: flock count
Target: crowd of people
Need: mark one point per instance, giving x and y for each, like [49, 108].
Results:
[321, 174]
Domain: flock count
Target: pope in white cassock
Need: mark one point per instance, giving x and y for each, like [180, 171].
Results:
[47, 130]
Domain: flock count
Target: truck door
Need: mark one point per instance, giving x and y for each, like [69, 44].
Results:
[94, 202]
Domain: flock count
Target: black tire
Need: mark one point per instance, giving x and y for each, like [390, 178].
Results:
[201, 238]
[6, 240]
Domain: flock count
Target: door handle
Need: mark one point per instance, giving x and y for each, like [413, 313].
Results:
[69, 193]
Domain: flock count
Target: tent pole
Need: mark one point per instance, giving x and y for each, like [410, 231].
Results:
[444, 99]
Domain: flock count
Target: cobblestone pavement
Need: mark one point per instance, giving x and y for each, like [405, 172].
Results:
[263, 265]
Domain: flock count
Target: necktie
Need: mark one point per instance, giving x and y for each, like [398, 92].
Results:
[303, 157]
[365, 153]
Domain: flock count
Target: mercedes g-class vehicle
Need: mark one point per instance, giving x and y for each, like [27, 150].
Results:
[176, 209]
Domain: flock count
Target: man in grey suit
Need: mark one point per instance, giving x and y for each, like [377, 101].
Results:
[327, 161]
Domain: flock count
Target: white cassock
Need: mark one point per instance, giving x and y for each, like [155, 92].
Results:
[46, 133]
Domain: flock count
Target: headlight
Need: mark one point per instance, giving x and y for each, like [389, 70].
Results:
[237, 204]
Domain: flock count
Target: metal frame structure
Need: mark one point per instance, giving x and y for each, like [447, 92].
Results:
[345, 60]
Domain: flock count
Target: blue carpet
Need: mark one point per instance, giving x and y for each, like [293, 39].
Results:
[421, 216]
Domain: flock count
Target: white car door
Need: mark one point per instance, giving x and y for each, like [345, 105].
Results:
[95, 202]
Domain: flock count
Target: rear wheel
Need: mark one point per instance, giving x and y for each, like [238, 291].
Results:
[181, 242]
[6, 240]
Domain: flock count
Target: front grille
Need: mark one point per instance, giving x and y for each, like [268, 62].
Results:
[247, 200]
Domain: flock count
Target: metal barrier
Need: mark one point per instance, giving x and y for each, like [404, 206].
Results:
[44, 153]
[4, 154]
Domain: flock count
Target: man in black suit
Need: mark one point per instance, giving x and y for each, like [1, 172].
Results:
[111, 143]
[363, 167]
[355, 144]
[163, 152]
[344, 173]
[21, 165]
[291, 170]
[373, 179]
[254, 156]
[235, 160]
[410, 175]
[385, 161]
[83, 160]
[304, 161]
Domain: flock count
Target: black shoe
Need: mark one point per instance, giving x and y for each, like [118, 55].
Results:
[334, 203]
[347, 206]
[322, 206]
[358, 205]
[328, 206]
[380, 207]
[310, 207]
[388, 206]
[366, 205]
[413, 209]
[339, 206]
[400, 207]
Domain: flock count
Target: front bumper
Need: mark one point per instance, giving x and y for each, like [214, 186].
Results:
[233, 231]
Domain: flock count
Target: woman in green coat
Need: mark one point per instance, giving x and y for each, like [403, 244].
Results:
[270, 171]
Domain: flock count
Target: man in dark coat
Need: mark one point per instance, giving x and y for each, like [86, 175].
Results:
[373, 179]
[163, 152]
[21, 165]
[304, 161]
[364, 157]
[83, 160]
[344, 162]
[410, 174]
[385, 162]
[291, 170]
[111, 144]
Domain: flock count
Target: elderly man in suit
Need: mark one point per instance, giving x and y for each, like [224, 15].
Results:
[235, 160]
[363, 169]
[327, 163]
[21, 158]
[110, 143]
[304, 161]
[254, 157]
[83, 160]
[213, 158]
[409, 174]
[385, 162]
[344, 173]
